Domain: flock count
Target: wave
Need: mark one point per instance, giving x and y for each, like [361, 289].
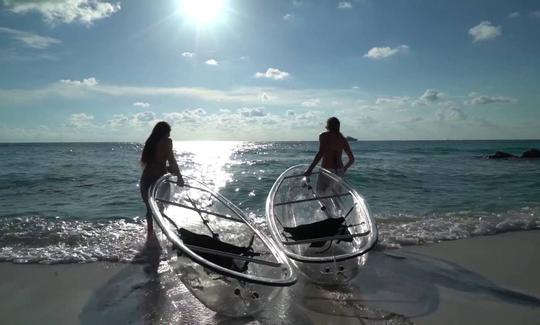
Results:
[35, 239]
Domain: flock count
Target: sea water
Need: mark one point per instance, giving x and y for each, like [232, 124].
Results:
[80, 202]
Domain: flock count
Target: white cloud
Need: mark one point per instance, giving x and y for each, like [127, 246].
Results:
[313, 102]
[65, 11]
[288, 17]
[252, 112]
[273, 73]
[188, 55]
[141, 104]
[396, 100]
[85, 82]
[377, 53]
[483, 100]
[190, 118]
[80, 120]
[211, 62]
[485, 31]
[451, 114]
[344, 5]
[118, 120]
[431, 95]
[29, 39]
[535, 14]
[514, 14]
[143, 118]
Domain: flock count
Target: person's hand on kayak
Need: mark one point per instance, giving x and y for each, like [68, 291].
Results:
[180, 180]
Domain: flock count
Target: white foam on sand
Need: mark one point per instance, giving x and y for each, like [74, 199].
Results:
[71, 240]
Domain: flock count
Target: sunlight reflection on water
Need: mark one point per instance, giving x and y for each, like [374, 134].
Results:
[207, 161]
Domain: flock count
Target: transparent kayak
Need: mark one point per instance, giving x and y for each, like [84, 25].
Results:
[223, 260]
[321, 223]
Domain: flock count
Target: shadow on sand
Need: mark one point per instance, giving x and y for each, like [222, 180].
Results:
[394, 287]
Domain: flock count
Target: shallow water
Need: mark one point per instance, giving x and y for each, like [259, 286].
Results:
[77, 202]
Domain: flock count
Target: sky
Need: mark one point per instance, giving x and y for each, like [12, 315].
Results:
[255, 70]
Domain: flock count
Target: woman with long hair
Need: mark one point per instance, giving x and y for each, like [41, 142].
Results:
[331, 146]
[157, 159]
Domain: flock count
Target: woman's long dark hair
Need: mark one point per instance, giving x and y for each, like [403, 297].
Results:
[332, 125]
[160, 131]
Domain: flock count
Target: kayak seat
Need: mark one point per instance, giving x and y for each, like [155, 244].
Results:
[325, 228]
[205, 241]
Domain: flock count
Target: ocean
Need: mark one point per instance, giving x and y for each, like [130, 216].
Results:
[80, 202]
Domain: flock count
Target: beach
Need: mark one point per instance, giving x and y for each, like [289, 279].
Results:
[481, 280]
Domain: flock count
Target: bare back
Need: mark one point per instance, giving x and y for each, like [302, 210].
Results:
[331, 147]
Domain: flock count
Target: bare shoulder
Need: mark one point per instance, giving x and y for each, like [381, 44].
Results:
[324, 135]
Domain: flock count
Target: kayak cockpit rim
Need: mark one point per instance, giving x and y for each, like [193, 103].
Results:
[313, 199]
[359, 204]
[199, 210]
[289, 275]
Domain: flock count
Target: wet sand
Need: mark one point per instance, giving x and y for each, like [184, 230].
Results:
[483, 280]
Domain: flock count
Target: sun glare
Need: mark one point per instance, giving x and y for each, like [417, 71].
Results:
[202, 11]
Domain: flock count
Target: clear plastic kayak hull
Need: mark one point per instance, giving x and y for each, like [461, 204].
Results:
[224, 261]
[321, 223]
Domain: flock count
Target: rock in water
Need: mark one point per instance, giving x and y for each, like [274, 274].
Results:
[501, 155]
[531, 153]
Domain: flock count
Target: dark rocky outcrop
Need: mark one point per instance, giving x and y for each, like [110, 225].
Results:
[501, 155]
[531, 153]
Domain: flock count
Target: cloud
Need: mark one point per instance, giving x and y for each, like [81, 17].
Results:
[431, 95]
[80, 120]
[65, 11]
[141, 104]
[252, 112]
[451, 114]
[377, 53]
[273, 73]
[483, 100]
[188, 55]
[414, 119]
[514, 14]
[535, 14]
[396, 100]
[143, 118]
[344, 5]
[290, 113]
[118, 120]
[190, 118]
[313, 102]
[29, 39]
[89, 82]
[211, 62]
[485, 31]
[288, 17]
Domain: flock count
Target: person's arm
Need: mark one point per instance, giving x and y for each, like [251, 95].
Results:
[173, 165]
[350, 154]
[316, 159]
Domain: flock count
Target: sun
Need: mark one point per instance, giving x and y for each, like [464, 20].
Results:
[202, 12]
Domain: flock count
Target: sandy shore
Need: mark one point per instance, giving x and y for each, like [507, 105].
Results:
[484, 280]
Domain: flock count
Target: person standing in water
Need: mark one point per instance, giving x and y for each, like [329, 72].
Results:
[157, 152]
[331, 146]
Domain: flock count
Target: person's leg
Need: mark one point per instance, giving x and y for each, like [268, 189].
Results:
[149, 221]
